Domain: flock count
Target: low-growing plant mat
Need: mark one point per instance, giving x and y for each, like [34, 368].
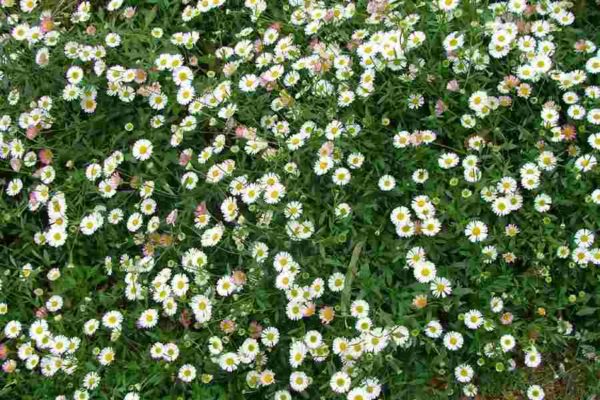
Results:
[299, 199]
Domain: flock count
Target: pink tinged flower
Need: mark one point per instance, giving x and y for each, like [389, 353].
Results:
[453, 86]
[227, 326]
[329, 15]
[45, 156]
[15, 164]
[581, 46]
[309, 310]
[376, 6]
[129, 12]
[255, 330]
[172, 217]
[9, 366]
[3, 351]
[185, 157]
[41, 313]
[317, 66]
[241, 131]
[238, 278]
[32, 132]
[440, 107]
[47, 24]
[327, 148]
[200, 209]
[263, 81]
[115, 180]
[141, 75]
[33, 201]
[416, 138]
[512, 81]
[276, 26]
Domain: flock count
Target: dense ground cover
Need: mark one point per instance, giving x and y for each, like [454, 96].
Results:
[299, 199]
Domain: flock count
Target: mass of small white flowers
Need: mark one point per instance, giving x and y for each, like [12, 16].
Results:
[297, 199]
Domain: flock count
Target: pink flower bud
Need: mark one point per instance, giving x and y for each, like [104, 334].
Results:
[172, 217]
[453, 86]
[15, 164]
[33, 200]
[440, 107]
[115, 180]
[185, 157]
[200, 209]
[129, 12]
[32, 132]
[240, 131]
[41, 313]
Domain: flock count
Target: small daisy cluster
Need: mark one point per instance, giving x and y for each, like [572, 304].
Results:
[426, 223]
